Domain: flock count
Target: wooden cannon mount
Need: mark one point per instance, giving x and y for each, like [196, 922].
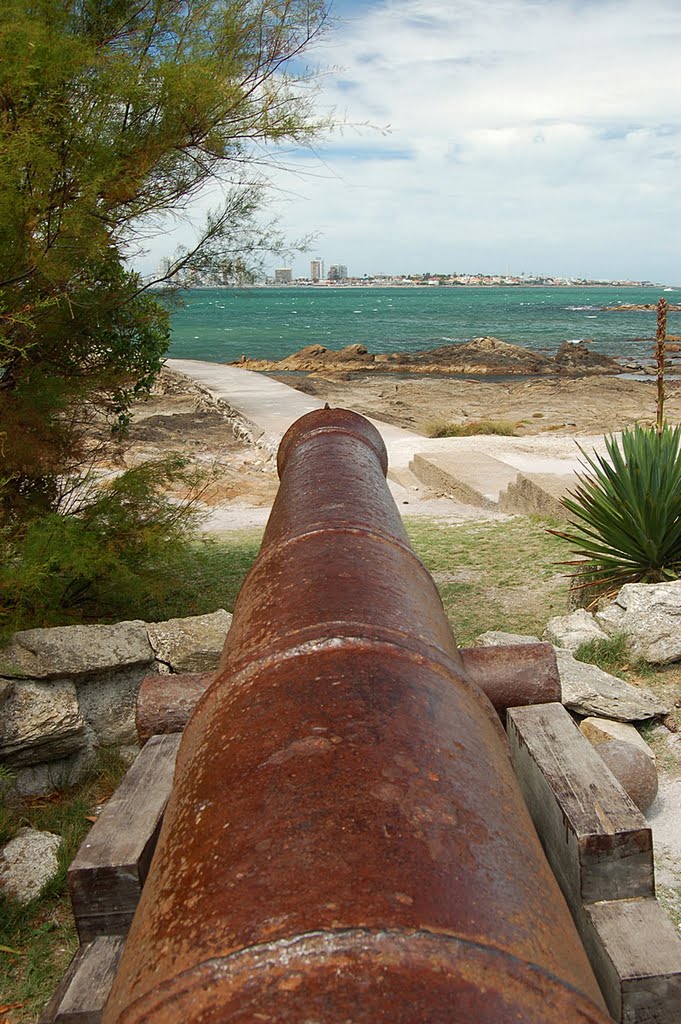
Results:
[345, 837]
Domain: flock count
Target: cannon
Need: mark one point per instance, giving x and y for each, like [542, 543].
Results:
[345, 840]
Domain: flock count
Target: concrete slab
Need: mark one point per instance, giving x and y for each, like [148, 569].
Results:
[472, 477]
[270, 406]
[538, 494]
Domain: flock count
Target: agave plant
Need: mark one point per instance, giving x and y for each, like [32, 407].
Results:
[626, 511]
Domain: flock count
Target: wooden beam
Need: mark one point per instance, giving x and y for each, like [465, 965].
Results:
[83, 991]
[635, 951]
[595, 838]
[109, 870]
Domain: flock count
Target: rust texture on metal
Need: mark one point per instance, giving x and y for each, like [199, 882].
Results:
[510, 676]
[346, 839]
[165, 702]
[514, 676]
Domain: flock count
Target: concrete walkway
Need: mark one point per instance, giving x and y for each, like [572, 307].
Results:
[268, 408]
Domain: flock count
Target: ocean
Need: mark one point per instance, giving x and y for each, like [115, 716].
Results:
[222, 324]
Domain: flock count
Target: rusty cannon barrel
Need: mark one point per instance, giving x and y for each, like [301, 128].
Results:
[345, 840]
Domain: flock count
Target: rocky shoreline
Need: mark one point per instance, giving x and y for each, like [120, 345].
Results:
[485, 356]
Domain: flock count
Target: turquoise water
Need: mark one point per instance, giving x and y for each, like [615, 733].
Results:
[222, 324]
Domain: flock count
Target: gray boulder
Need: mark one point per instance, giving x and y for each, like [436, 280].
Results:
[72, 651]
[600, 730]
[28, 862]
[107, 703]
[588, 690]
[495, 638]
[40, 722]
[649, 615]
[192, 644]
[571, 631]
[6, 687]
[634, 771]
[51, 776]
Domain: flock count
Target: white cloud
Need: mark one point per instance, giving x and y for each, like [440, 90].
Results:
[543, 134]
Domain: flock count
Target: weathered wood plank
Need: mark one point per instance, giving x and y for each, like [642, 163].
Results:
[83, 991]
[107, 874]
[636, 955]
[597, 841]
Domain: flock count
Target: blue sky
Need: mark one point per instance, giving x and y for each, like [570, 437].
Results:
[537, 136]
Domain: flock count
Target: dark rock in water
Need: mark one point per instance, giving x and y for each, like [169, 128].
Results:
[577, 356]
[633, 769]
[481, 356]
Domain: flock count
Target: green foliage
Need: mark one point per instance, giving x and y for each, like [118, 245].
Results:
[627, 511]
[108, 560]
[472, 428]
[37, 941]
[114, 117]
[612, 655]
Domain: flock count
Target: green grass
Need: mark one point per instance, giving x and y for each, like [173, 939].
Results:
[494, 575]
[669, 898]
[37, 941]
[207, 574]
[473, 427]
[191, 578]
[613, 656]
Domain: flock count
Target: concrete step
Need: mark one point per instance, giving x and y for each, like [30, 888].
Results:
[471, 477]
[405, 478]
[538, 494]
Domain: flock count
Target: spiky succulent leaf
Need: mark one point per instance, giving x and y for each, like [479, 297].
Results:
[626, 509]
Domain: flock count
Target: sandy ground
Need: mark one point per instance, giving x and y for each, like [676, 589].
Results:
[182, 416]
[572, 406]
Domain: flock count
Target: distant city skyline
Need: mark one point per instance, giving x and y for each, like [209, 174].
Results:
[507, 136]
[337, 274]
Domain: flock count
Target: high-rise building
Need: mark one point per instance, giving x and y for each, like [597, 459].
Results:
[165, 263]
[316, 269]
[338, 272]
[283, 276]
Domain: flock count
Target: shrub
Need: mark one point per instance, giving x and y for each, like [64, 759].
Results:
[102, 559]
[626, 511]
[472, 428]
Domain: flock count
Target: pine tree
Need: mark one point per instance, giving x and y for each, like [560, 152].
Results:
[113, 115]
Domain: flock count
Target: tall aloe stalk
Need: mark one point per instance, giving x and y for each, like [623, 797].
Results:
[626, 511]
[660, 338]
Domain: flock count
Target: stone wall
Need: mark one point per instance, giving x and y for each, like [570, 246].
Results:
[66, 692]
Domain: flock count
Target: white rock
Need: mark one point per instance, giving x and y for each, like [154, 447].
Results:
[588, 690]
[28, 862]
[193, 644]
[571, 631]
[40, 722]
[649, 615]
[71, 651]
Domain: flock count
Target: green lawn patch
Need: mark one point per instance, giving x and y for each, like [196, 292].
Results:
[494, 575]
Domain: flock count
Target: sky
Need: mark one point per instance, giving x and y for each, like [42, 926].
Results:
[494, 136]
